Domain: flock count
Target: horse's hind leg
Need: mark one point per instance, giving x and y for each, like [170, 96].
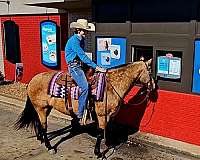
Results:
[43, 113]
[38, 131]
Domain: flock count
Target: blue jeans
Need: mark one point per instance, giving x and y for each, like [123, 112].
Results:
[79, 77]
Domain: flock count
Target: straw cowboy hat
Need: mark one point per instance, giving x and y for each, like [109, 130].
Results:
[83, 24]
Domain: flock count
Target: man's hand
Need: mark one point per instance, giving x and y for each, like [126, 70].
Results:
[100, 69]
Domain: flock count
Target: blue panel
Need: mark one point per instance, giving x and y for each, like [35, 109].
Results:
[196, 72]
[48, 43]
[110, 51]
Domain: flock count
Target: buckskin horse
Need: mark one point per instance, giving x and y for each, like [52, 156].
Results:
[119, 81]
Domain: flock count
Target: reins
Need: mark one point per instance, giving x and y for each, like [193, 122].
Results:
[127, 103]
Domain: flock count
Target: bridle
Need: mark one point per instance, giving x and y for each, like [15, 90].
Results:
[150, 85]
[127, 103]
[148, 90]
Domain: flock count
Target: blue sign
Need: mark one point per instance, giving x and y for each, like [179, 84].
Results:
[196, 72]
[163, 65]
[169, 67]
[110, 51]
[48, 43]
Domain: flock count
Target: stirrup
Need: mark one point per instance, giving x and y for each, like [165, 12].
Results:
[85, 119]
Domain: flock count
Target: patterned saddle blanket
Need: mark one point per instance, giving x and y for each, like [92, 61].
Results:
[57, 87]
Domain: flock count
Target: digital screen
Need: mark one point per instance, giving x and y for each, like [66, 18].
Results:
[169, 67]
[48, 43]
[110, 51]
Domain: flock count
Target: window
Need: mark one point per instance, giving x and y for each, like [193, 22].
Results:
[141, 51]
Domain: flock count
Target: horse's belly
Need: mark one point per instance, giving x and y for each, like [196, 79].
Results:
[59, 105]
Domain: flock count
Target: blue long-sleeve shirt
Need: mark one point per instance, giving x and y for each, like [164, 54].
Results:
[73, 49]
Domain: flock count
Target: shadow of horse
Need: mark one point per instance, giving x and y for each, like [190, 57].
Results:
[128, 119]
[72, 130]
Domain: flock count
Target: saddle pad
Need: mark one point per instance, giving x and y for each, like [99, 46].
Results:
[97, 87]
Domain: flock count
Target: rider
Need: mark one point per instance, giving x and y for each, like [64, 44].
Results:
[74, 55]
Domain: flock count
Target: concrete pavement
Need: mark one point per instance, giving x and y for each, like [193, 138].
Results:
[163, 142]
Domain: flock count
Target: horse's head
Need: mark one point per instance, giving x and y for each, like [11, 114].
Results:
[145, 75]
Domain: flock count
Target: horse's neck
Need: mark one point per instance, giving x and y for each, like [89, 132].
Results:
[122, 79]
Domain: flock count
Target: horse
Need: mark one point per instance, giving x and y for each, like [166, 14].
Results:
[119, 81]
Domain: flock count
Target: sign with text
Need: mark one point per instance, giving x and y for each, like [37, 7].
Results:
[48, 30]
[169, 65]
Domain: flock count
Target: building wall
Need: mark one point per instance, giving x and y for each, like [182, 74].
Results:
[29, 28]
[160, 36]
[173, 115]
[73, 16]
[175, 111]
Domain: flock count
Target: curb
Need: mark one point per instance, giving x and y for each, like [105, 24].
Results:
[169, 144]
[146, 138]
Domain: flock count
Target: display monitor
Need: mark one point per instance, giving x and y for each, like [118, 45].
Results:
[169, 65]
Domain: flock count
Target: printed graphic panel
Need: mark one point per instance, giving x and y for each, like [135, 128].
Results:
[110, 51]
[48, 43]
[196, 72]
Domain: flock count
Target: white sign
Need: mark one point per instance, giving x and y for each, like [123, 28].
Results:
[105, 58]
[103, 44]
[174, 67]
[115, 51]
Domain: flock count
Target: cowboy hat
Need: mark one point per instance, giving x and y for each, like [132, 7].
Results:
[83, 24]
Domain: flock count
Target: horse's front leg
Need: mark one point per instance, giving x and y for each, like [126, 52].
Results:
[100, 136]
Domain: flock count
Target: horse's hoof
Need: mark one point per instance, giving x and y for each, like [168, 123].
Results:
[100, 155]
[41, 141]
[52, 151]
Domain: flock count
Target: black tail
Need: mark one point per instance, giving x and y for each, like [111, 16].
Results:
[28, 117]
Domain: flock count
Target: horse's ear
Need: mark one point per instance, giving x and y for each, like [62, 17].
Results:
[148, 63]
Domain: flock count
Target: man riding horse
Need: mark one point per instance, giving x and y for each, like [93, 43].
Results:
[119, 81]
[74, 55]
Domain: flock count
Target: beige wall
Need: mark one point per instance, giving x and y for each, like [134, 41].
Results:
[19, 7]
